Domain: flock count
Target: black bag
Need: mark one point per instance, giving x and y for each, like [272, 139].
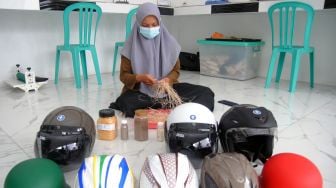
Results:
[189, 61]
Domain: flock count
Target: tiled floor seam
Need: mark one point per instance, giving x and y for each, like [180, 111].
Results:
[14, 142]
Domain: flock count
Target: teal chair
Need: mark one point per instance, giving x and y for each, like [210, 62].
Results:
[284, 43]
[89, 15]
[128, 32]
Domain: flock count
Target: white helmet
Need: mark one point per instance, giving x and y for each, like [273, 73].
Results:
[105, 171]
[191, 113]
[191, 130]
[168, 170]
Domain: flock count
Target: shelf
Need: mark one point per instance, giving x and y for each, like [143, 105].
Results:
[109, 7]
[192, 10]
[116, 7]
[317, 5]
[329, 4]
[20, 5]
[235, 7]
[166, 11]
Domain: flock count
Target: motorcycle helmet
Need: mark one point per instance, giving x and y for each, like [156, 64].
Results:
[191, 130]
[227, 170]
[104, 171]
[249, 130]
[66, 136]
[291, 171]
[36, 173]
[168, 170]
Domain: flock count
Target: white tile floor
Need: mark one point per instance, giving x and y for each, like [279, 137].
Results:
[306, 119]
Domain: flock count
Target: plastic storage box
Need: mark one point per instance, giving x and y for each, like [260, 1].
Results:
[229, 59]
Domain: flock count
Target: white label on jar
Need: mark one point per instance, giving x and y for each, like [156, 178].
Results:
[106, 127]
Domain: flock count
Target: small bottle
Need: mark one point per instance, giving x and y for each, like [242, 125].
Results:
[140, 125]
[124, 130]
[107, 125]
[160, 131]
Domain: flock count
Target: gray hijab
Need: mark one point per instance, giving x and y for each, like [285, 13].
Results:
[156, 56]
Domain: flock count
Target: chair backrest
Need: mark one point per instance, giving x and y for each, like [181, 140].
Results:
[129, 23]
[286, 22]
[89, 15]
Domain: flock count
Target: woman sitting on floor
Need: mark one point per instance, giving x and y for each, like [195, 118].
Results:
[150, 55]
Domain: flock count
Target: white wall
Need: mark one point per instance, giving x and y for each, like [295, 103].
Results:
[30, 38]
[256, 25]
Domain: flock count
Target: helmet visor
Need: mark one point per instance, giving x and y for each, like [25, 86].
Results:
[254, 143]
[241, 134]
[66, 148]
[198, 135]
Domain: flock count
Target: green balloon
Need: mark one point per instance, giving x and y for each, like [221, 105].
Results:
[35, 173]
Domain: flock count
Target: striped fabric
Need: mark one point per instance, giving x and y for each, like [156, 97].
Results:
[105, 172]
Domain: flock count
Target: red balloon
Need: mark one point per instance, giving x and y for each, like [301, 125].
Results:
[289, 170]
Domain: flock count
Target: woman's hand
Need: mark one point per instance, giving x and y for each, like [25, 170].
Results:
[165, 80]
[146, 79]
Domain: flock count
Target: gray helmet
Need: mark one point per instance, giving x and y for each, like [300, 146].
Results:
[66, 136]
[227, 170]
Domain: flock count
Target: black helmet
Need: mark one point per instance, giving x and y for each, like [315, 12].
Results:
[191, 130]
[249, 130]
[66, 136]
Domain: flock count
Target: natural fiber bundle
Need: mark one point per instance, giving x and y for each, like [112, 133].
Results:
[166, 95]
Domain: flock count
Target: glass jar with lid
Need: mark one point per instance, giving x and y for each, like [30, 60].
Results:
[160, 131]
[107, 125]
[141, 125]
[124, 130]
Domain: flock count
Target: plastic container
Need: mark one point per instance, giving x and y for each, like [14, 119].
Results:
[107, 125]
[229, 59]
[160, 131]
[155, 116]
[140, 125]
[124, 130]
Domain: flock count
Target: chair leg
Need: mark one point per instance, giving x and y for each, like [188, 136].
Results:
[76, 68]
[311, 59]
[115, 58]
[96, 65]
[270, 69]
[58, 54]
[280, 66]
[294, 71]
[83, 61]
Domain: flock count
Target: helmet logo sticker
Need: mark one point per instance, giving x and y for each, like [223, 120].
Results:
[256, 112]
[192, 117]
[60, 117]
[180, 135]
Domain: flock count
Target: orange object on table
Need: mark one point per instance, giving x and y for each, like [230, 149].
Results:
[217, 35]
[155, 116]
